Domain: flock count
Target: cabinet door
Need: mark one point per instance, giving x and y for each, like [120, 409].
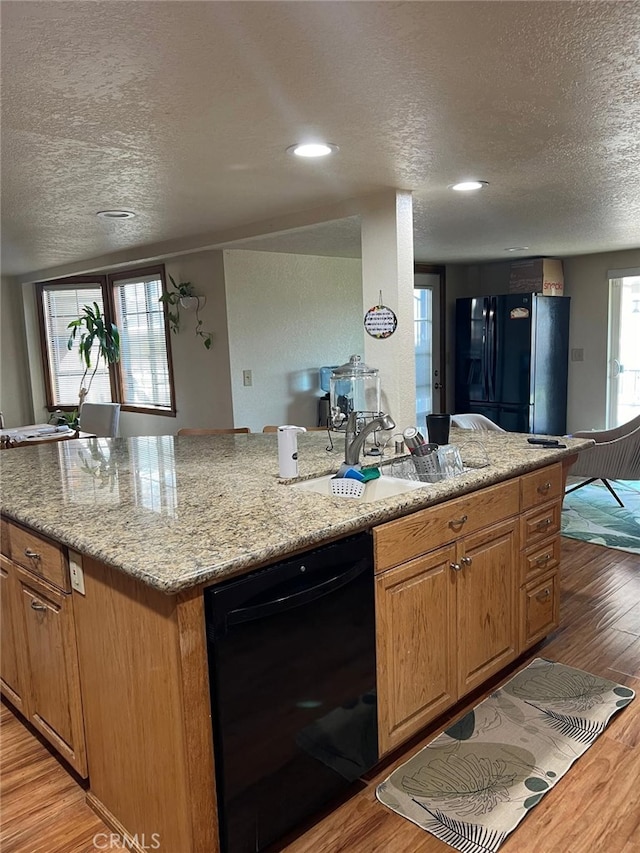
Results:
[539, 609]
[54, 683]
[11, 634]
[487, 585]
[416, 645]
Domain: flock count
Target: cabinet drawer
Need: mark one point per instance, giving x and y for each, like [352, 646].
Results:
[416, 534]
[540, 523]
[5, 546]
[40, 556]
[540, 609]
[539, 559]
[541, 486]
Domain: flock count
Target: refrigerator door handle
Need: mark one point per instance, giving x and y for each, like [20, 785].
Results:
[485, 348]
[491, 351]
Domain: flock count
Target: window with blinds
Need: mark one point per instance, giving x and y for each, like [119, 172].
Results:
[144, 364]
[142, 380]
[60, 306]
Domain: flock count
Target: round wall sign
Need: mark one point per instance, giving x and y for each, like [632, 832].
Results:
[380, 321]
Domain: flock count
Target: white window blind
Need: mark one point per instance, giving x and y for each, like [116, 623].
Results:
[144, 364]
[61, 306]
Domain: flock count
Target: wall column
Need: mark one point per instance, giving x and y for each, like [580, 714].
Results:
[387, 266]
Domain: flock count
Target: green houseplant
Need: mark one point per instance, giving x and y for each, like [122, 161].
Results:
[92, 330]
[182, 296]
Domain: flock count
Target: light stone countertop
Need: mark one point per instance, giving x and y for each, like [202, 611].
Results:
[176, 512]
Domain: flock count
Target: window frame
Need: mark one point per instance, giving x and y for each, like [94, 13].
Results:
[107, 283]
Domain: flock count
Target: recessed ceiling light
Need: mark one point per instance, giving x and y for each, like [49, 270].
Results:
[517, 249]
[312, 149]
[115, 214]
[469, 186]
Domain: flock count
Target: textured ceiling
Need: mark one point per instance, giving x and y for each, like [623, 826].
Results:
[182, 111]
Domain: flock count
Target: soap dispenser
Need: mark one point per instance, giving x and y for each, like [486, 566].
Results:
[288, 450]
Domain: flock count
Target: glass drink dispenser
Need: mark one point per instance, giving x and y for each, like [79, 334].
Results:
[353, 387]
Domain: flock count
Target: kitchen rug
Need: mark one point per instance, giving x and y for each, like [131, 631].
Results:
[476, 781]
[592, 514]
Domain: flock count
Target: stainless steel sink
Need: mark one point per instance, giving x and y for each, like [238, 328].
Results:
[375, 490]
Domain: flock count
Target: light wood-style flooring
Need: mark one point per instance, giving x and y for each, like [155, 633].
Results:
[594, 808]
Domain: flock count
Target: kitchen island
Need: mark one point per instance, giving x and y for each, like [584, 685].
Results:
[147, 523]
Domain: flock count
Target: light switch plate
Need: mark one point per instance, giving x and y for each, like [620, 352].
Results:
[77, 575]
[247, 378]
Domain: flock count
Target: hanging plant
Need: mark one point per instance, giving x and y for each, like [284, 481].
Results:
[182, 296]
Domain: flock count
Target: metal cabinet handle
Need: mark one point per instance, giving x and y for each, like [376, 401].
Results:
[541, 596]
[466, 561]
[31, 554]
[544, 487]
[35, 605]
[456, 567]
[544, 523]
[458, 522]
[543, 560]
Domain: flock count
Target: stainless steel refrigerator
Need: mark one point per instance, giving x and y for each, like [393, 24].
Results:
[512, 359]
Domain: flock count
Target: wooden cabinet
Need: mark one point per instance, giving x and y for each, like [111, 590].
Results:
[486, 586]
[12, 669]
[416, 645]
[40, 673]
[446, 620]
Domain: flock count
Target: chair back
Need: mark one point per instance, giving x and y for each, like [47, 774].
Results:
[474, 421]
[273, 428]
[101, 419]
[187, 431]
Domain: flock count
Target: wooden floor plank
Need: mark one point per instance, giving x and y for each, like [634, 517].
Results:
[595, 807]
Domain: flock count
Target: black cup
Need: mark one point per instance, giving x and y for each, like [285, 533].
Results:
[438, 428]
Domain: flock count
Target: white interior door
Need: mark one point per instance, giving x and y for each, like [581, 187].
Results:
[426, 314]
[623, 377]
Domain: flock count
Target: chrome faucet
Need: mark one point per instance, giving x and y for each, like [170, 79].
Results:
[354, 440]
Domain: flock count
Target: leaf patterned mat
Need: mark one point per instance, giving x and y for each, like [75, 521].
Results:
[476, 781]
[592, 514]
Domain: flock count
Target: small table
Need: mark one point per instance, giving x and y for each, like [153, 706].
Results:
[38, 434]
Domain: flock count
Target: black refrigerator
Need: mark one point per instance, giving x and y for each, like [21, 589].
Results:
[512, 360]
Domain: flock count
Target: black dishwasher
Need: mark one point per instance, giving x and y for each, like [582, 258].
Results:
[292, 675]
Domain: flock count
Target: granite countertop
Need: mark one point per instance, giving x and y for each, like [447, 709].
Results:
[175, 512]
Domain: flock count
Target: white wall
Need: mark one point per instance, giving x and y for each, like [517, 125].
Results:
[288, 315]
[15, 388]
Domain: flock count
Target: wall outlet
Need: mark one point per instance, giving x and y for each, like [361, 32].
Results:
[77, 575]
[247, 378]
[577, 354]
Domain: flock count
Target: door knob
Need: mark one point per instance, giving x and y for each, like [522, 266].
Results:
[456, 567]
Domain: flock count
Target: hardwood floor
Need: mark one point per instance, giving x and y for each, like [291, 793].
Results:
[594, 808]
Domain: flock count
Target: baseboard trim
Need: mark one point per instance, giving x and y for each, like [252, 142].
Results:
[129, 842]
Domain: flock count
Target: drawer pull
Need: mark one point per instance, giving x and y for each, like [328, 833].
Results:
[35, 605]
[544, 487]
[458, 522]
[456, 567]
[543, 560]
[541, 525]
[542, 596]
[31, 554]
[466, 561]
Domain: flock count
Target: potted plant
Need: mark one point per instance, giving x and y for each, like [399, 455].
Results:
[182, 296]
[92, 329]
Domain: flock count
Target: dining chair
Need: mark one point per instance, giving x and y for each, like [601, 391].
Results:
[188, 431]
[101, 419]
